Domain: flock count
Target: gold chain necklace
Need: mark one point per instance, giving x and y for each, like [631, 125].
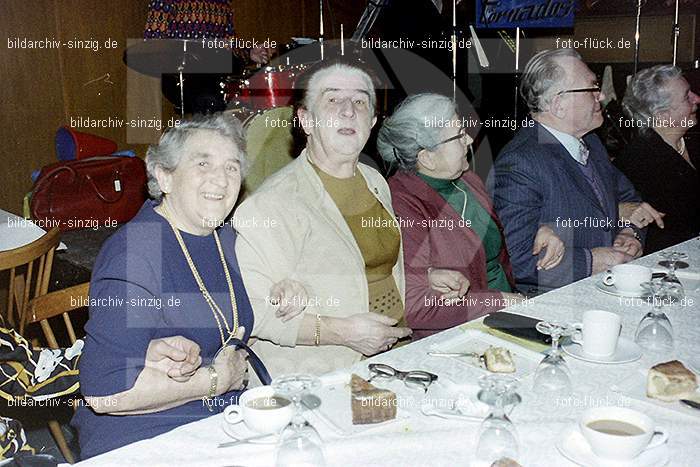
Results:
[216, 311]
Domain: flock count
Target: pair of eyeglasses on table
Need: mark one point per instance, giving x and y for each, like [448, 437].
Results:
[415, 378]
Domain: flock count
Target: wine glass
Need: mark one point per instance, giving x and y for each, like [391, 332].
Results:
[498, 437]
[553, 377]
[299, 444]
[671, 259]
[655, 331]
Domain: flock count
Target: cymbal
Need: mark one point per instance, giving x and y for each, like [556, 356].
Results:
[155, 57]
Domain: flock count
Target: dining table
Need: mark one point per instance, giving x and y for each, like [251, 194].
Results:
[417, 436]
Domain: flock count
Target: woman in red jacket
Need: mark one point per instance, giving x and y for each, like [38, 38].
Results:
[456, 263]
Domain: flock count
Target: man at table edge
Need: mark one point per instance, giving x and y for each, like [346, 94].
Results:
[556, 172]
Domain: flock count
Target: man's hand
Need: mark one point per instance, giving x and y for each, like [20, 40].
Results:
[626, 243]
[370, 333]
[640, 214]
[603, 258]
[231, 366]
[176, 356]
[450, 283]
[554, 248]
[290, 297]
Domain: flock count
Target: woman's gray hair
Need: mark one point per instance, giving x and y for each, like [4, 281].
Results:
[415, 125]
[541, 76]
[168, 152]
[646, 94]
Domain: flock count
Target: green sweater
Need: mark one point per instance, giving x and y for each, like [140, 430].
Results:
[481, 223]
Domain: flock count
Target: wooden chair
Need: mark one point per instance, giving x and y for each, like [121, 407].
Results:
[45, 307]
[30, 271]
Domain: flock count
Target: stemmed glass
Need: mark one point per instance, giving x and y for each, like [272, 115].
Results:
[553, 376]
[671, 259]
[655, 331]
[299, 444]
[498, 437]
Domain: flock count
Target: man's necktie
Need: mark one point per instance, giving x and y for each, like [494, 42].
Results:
[583, 152]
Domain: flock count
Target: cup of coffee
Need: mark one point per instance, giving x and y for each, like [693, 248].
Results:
[627, 277]
[261, 410]
[598, 333]
[619, 433]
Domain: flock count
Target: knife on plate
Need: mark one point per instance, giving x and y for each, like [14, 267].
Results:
[690, 403]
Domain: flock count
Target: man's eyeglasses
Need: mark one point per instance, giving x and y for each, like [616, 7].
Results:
[462, 134]
[595, 89]
[416, 378]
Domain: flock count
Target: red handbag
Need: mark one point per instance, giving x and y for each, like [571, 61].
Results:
[89, 193]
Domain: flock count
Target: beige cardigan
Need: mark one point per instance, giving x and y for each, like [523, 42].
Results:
[291, 228]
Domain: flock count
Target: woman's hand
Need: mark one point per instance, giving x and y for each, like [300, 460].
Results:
[554, 248]
[290, 297]
[231, 366]
[370, 333]
[450, 283]
[176, 356]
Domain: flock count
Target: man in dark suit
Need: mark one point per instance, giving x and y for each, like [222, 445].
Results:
[556, 172]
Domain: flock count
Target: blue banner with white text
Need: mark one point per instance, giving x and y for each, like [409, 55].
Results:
[505, 14]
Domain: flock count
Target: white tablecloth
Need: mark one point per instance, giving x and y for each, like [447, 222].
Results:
[421, 440]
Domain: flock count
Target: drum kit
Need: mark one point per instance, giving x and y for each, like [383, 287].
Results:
[201, 79]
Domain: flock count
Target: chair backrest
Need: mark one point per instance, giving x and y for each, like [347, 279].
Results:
[30, 271]
[44, 307]
[60, 302]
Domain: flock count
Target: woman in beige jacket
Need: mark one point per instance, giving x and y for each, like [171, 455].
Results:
[326, 221]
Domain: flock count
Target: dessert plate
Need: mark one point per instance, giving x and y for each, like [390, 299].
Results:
[473, 341]
[694, 364]
[635, 386]
[335, 410]
[449, 400]
[574, 447]
[627, 351]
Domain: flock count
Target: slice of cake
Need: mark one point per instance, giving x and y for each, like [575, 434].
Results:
[370, 404]
[670, 381]
[505, 462]
[499, 360]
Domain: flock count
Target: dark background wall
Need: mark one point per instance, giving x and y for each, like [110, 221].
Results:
[41, 89]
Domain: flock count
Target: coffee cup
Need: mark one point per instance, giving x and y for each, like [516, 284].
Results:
[261, 410]
[598, 332]
[619, 433]
[627, 277]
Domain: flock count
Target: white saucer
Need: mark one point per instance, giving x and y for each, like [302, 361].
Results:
[627, 351]
[574, 447]
[612, 290]
[239, 431]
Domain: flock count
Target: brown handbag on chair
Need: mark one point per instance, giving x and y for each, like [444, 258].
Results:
[89, 193]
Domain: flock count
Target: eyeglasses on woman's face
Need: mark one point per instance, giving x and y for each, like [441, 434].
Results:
[461, 134]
